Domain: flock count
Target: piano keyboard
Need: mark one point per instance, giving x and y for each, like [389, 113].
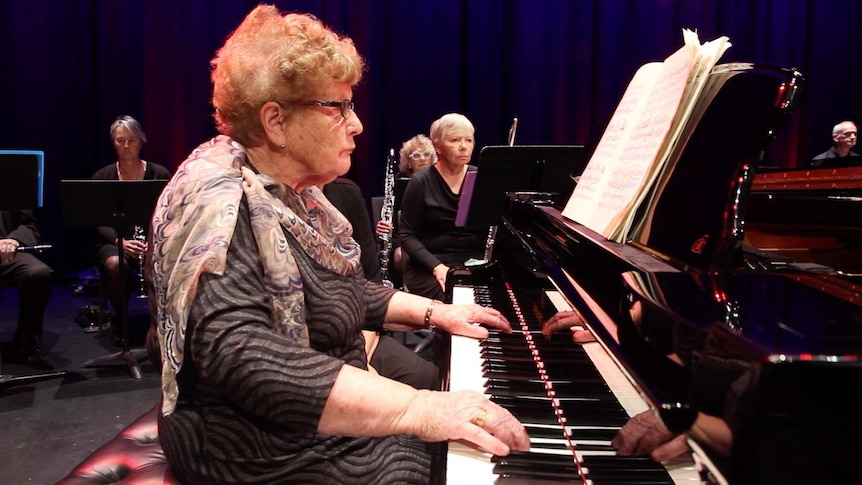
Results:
[590, 423]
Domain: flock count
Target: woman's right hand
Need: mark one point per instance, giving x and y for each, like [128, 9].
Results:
[134, 248]
[440, 271]
[467, 416]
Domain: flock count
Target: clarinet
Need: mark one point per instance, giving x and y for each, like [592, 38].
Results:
[141, 236]
[386, 215]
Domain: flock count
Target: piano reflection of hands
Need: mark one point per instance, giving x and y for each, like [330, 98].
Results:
[646, 434]
[568, 320]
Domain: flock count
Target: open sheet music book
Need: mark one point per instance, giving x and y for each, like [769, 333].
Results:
[644, 138]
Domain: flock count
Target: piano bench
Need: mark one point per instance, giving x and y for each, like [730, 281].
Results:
[134, 456]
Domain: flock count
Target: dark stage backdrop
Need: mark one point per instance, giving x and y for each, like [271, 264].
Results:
[68, 68]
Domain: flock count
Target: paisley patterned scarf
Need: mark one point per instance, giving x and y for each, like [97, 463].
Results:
[193, 224]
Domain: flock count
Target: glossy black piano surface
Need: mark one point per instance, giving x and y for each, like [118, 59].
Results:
[704, 324]
[809, 215]
[770, 354]
[768, 351]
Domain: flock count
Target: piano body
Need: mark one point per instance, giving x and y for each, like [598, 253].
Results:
[687, 324]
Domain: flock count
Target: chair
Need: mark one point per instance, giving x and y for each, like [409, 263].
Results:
[134, 456]
[6, 380]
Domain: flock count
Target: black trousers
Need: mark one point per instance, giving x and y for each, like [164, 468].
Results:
[421, 281]
[397, 362]
[34, 280]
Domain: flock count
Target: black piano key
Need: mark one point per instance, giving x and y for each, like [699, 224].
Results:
[544, 413]
[569, 468]
[515, 342]
[530, 457]
[606, 415]
[533, 417]
[526, 393]
[593, 434]
[593, 420]
[543, 432]
[504, 361]
[594, 392]
[567, 388]
[529, 472]
[490, 355]
[609, 469]
[527, 357]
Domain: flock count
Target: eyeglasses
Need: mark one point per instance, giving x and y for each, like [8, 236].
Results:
[345, 105]
[417, 155]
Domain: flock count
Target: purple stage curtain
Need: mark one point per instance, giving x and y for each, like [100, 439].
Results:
[69, 68]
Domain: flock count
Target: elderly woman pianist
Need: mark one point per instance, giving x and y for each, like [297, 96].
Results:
[261, 298]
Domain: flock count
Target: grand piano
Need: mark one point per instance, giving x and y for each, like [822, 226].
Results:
[691, 322]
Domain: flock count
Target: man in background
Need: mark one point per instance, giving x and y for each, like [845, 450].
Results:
[33, 278]
[843, 140]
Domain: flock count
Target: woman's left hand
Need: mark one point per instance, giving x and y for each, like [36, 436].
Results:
[468, 320]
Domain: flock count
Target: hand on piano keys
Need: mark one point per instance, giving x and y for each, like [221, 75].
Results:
[468, 416]
[469, 320]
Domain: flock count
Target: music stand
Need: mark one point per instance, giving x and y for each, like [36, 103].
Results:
[121, 204]
[520, 168]
[21, 189]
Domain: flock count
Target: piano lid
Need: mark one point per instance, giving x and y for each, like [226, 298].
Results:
[698, 217]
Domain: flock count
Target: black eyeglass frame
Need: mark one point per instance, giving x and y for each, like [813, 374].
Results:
[345, 105]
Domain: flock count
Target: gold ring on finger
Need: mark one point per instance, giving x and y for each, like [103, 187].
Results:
[480, 418]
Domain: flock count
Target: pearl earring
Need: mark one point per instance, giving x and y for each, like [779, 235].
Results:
[282, 145]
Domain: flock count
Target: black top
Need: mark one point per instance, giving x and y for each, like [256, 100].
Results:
[347, 197]
[830, 154]
[427, 224]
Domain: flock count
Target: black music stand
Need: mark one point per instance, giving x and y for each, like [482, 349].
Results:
[546, 169]
[21, 188]
[121, 204]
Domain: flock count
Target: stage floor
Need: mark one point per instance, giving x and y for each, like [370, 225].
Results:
[50, 426]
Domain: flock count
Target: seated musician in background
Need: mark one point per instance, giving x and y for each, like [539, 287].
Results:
[128, 139]
[33, 278]
[843, 140]
[347, 197]
[261, 297]
[385, 355]
[427, 229]
[416, 154]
